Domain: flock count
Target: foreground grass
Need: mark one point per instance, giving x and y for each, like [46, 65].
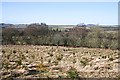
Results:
[28, 61]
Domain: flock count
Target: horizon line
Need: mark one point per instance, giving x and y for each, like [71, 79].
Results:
[56, 24]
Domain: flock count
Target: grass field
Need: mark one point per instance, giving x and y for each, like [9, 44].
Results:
[28, 61]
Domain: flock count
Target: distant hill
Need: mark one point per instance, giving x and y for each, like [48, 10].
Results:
[3, 25]
[112, 27]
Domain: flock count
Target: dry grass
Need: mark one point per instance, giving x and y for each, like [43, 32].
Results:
[55, 61]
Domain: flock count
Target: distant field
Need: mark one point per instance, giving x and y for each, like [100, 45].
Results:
[29, 61]
[112, 31]
[61, 27]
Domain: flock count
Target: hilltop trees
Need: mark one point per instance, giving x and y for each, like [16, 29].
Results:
[42, 34]
[94, 37]
[9, 35]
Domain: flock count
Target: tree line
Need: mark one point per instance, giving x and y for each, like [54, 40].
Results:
[42, 34]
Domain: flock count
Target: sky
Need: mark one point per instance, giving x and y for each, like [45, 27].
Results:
[60, 0]
[61, 13]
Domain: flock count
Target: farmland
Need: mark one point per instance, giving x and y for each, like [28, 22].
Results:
[59, 40]
[32, 61]
[43, 51]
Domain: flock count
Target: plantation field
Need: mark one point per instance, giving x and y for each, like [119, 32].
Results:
[30, 61]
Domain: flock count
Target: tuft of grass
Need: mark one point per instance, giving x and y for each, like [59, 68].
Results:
[55, 62]
[59, 57]
[72, 73]
[26, 51]
[3, 51]
[104, 57]
[83, 62]
[19, 62]
[74, 61]
[14, 51]
[111, 59]
[49, 61]
[42, 67]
